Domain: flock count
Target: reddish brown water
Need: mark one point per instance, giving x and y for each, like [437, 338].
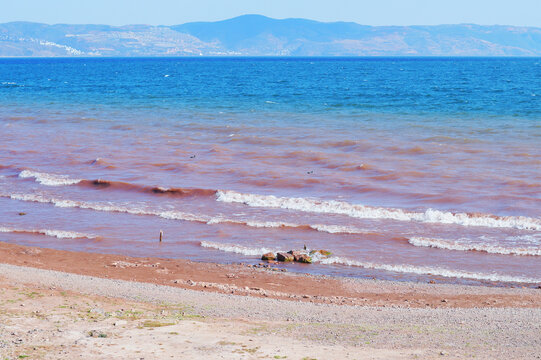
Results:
[394, 196]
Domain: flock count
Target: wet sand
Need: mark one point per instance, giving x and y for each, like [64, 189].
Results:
[269, 282]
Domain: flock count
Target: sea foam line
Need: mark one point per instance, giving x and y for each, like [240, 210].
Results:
[237, 249]
[326, 206]
[60, 234]
[426, 270]
[49, 179]
[179, 215]
[455, 245]
[367, 212]
[408, 269]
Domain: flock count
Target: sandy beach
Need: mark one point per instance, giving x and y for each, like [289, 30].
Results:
[60, 305]
[371, 202]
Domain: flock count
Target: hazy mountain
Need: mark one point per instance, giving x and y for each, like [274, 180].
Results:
[256, 35]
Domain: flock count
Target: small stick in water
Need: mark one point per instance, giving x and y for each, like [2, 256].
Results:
[161, 235]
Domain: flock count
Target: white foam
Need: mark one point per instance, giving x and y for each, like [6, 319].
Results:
[408, 269]
[237, 248]
[367, 212]
[49, 179]
[106, 207]
[338, 229]
[530, 238]
[176, 215]
[270, 224]
[250, 251]
[426, 270]
[60, 234]
[66, 234]
[331, 229]
[461, 246]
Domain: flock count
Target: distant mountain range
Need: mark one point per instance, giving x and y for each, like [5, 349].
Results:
[256, 35]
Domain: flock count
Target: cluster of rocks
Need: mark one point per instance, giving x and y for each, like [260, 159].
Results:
[294, 255]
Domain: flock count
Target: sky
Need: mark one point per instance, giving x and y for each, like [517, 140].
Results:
[368, 12]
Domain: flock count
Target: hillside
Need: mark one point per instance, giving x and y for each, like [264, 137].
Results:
[256, 35]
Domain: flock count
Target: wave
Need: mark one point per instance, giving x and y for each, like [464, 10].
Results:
[106, 207]
[530, 238]
[183, 191]
[408, 269]
[101, 162]
[237, 248]
[367, 212]
[49, 179]
[64, 180]
[427, 270]
[455, 245]
[180, 215]
[60, 234]
[124, 186]
[249, 251]
[331, 229]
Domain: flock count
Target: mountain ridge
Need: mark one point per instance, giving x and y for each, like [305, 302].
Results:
[258, 35]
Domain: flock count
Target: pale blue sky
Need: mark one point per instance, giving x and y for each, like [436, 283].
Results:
[369, 12]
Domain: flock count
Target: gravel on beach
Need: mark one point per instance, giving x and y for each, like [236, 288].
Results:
[486, 333]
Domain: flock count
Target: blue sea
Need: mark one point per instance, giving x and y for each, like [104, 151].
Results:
[407, 169]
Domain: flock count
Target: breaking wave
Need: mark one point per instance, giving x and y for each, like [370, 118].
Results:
[455, 245]
[60, 234]
[367, 212]
[427, 270]
[408, 269]
[180, 215]
[63, 180]
[49, 179]
[237, 249]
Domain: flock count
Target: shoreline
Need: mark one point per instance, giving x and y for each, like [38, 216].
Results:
[60, 305]
[268, 282]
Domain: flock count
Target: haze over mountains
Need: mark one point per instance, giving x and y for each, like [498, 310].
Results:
[256, 35]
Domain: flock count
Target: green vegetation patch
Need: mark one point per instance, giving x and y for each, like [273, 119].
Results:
[155, 323]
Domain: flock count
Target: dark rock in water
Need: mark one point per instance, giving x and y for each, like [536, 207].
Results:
[268, 256]
[303, 258]
[294, 252]
[22, 213]
[284, 257]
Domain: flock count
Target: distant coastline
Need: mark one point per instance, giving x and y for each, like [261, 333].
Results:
[256, 36]
[275, 57]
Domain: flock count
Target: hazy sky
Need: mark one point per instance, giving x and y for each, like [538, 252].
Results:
[369, 12]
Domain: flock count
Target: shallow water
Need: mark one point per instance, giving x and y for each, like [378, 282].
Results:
[407, 169]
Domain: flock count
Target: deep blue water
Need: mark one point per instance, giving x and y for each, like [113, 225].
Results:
[468, 87]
